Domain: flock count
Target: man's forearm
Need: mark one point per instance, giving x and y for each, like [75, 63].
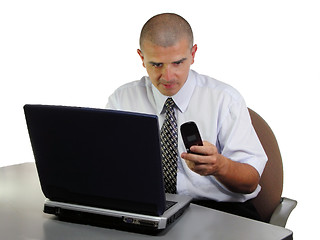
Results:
[238, 177]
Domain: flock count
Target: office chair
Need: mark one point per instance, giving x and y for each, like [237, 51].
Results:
[273, 208]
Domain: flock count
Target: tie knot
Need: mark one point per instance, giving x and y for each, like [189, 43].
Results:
[169, 103]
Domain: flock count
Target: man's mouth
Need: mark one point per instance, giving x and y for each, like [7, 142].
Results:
[168, 85]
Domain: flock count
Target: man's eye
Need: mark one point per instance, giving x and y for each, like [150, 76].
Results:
[178, 62]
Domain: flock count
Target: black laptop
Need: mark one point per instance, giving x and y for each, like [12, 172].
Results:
[101, 166]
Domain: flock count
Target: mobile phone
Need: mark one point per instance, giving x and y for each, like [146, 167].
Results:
[190, 135]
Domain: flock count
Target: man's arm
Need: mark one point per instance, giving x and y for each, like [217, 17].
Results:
[237, 177]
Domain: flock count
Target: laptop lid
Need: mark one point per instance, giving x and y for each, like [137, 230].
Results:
[96, 157]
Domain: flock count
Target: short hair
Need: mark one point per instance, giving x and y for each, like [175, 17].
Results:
[166, 30]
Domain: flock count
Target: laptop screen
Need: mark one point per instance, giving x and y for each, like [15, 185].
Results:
[97, 157]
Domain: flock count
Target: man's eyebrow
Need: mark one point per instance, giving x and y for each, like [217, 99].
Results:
[156, 63]
[180, 61]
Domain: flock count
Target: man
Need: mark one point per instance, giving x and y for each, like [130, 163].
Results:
[224, 173]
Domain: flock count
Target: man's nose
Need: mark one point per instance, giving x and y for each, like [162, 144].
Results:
[167, 73]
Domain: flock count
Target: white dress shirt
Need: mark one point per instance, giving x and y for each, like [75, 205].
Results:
[222, 117]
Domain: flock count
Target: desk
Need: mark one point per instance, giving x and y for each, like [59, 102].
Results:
[21, 217]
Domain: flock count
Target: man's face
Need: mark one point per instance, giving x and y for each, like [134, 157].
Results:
[168, 67]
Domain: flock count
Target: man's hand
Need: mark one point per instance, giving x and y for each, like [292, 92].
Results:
[206, 161]
[237, 177]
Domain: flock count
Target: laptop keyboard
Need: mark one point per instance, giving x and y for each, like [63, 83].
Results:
[169, 204]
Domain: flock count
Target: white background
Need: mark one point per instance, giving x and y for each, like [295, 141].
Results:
[78, 52]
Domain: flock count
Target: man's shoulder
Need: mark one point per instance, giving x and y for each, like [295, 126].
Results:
[132, 96]
[214, 86]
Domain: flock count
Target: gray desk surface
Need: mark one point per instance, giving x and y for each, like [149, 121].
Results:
[21, 217]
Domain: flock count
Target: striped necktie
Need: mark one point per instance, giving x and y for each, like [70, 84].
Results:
[169, 147]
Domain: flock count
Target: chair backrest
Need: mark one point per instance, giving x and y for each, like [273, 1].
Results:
[271, 181]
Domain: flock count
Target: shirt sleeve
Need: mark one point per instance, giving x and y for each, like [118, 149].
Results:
[237, 138]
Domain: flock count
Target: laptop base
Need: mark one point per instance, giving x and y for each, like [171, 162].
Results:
[100, 217]
[97, 220]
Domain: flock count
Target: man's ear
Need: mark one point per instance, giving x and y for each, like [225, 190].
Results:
[193, 52]
[141, 56]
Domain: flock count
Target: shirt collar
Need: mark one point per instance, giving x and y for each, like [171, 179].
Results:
[181, 98]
